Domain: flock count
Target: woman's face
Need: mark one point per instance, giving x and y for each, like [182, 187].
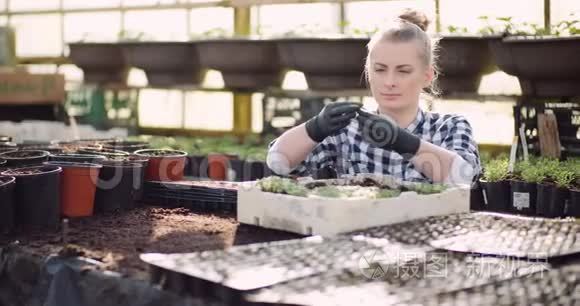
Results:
[397, 75]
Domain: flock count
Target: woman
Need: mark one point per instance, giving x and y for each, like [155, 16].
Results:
[399, 138]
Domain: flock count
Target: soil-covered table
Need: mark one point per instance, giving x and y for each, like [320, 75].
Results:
[116, 240]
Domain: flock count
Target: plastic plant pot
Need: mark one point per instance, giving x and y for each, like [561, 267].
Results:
[164, 165]
[523, 197]
[194, 165]
[254, 170]
[125, 145]
[24, 158]
[138, 183]
[77, 188]
[476, 202]
[37, 195]
[108, 153]
[76, 158]
[496, 195]
[2, 163]
[7, 216]
[116, 186]
[551, 201]
[219, 165]
[8, 146]
[574, 204]
[4, 138]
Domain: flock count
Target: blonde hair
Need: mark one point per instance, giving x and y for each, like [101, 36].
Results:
[410, 25]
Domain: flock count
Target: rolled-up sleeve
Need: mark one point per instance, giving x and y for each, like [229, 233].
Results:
[457, 136]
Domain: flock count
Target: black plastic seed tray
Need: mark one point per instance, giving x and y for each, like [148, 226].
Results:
[188, 194]
[226, 275]
[559, 286]
[192, 188]
[195, 205]
[375, 283]
[489, 233]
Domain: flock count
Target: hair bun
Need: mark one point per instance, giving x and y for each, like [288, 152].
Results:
[415, 17]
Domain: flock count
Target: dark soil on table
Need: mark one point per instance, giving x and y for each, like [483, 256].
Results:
[116, 240]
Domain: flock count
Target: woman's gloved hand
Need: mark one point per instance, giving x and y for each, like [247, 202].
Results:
[331, 119]
[383, 132]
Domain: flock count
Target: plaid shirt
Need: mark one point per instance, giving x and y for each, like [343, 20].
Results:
[348, 153]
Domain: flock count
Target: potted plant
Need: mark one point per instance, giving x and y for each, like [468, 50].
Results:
[573, 208]
[245, 63]
[463, 60]
[524, 187]
[37, 195]
[24, 157]
[76, 158]
[327, 63]
[78, 184]
[129, 146]
[523, 53]
[116, 185]
[164, 165]
[496, 188]
[166, 63]
[108, 153]
[7, 217]
[102, 63]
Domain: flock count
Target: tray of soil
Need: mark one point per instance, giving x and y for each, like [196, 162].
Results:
[76, 158]
[77, 187]
[116, 240]
[108, 153]
[125, 145]
[394, 283]
[117, 185]
[37, 195]
[164, 165]
[7, 217]
[24, 157]
[226, 275]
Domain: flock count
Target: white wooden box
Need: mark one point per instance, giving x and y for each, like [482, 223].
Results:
[329, 216]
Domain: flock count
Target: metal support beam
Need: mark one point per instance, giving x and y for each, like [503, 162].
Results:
[437, 16]
[242, 101]
[547, 17]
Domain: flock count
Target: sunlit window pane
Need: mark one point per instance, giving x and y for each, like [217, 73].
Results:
[157, 25]
[466, 13]
[37, 35]
[151, 101]
[3, 21]
[42, 69]
[28, 5]
[2, 5]
[209, 110]
[76, 4]
[129, 3]
[212, 20]
[368, 15]
[305, 18]
[95, 27]
[563, 10]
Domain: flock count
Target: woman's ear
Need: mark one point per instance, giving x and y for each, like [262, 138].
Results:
[429, 76]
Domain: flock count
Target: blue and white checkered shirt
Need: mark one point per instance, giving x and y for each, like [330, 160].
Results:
[348, 153]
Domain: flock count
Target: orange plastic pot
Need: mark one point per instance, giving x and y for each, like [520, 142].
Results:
[219, 165]
[77, 188]
[163, 165]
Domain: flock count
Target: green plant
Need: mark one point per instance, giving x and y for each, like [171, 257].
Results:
[564, 178]
[451, 29]
[282, 185]
[388, 193]
[507, 26]
[133, 36]
[217, 32]
[426, 188]
[328, 192]
[496, 170]
[532, 174]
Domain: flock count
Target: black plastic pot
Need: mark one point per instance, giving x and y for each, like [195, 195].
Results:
[37, 195]
[551, 201]
[125, 145]
[476, 201]
[77, 158]
[254, 170]
[523, 197]
[573, 209]
[116, 187]
[194, 164]
[8, 146]
[2, 163]
[236, 167]
[496, 196]
[7, 215]
[108, 153]
[24, 157]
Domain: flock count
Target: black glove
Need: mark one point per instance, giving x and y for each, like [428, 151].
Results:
[384, 133]
[331, 119]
